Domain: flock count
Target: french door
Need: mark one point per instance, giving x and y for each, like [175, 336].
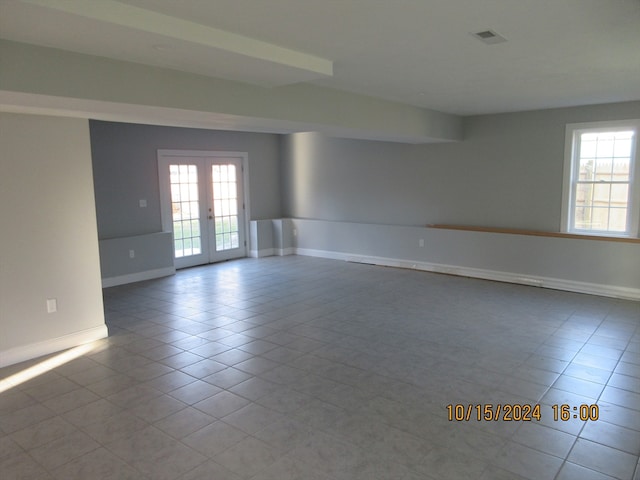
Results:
[203, 204]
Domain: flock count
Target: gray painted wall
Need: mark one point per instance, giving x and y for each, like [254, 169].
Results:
[598, 267]
[506, 173]
[153, 253]
[125, 169]
[372, 199]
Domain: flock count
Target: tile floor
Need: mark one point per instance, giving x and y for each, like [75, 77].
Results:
[305, 368]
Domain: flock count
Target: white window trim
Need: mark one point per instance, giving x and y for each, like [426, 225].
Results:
[568, 190]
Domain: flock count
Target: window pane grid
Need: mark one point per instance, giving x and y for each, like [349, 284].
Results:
[225, 206]
[185, 210]
[602, 188]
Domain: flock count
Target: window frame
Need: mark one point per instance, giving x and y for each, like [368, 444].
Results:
[570, 176]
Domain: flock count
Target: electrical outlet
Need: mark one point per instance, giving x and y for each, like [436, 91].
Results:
[143, 203]
[132, 253]
[421, 242]
[52, 305]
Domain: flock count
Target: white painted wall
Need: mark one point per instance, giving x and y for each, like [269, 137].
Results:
[108, 88]
[49, 241]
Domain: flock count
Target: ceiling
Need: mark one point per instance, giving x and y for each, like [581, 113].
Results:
[419, 52]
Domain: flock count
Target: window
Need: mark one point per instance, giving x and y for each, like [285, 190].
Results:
[601, 194]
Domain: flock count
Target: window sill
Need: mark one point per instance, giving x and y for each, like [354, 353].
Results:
[536, 233]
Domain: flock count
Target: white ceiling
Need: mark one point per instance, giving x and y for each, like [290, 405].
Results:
[419, 52]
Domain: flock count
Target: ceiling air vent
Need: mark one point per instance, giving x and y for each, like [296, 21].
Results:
[489, 37]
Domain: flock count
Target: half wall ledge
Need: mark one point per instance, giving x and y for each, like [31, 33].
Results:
[535, 233]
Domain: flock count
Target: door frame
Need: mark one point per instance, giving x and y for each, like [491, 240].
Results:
[165, 191]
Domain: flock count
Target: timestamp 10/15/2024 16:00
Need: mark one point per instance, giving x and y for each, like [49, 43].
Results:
[515, 412]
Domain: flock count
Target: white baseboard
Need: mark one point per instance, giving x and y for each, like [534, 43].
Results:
[308, 252]
[38, 349]
[265, 252]
[508, 277]
[138, 277]
[269, 252]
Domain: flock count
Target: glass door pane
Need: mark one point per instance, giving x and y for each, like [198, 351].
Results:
[226, 209]
[185, 210]
[183, 201]
[225, 206]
